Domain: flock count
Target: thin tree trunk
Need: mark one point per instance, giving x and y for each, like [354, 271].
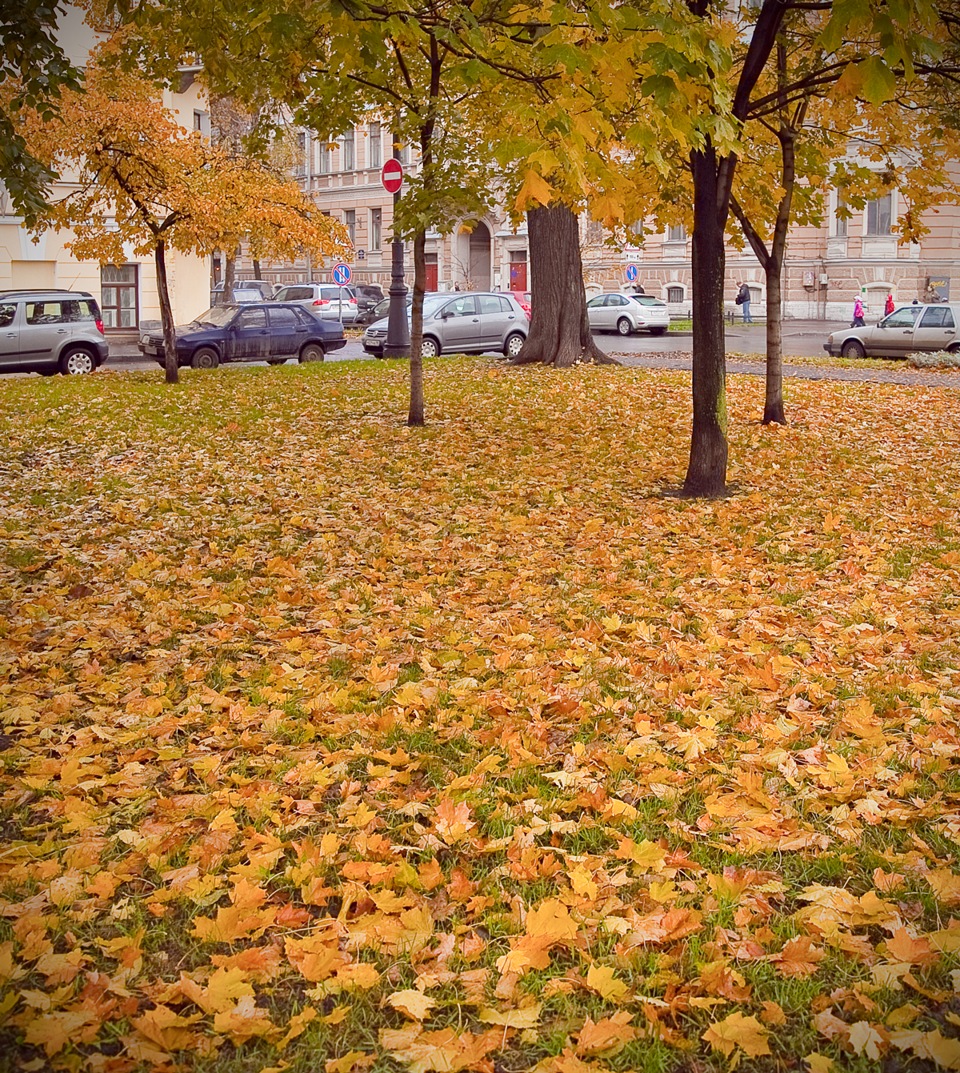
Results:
[256, 268]
[166, 316]
[415, 417]
[707, 467]
[559, 332]
[229, 277]
[773, 400]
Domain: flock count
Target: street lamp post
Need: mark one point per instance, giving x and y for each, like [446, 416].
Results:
[397, 343]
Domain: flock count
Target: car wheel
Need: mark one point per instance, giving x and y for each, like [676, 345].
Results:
[429, 348]
[205, 358]
[658, 331]
[853, 348]
[511, 348]
[311, 352]
[76, 361]
[624, 327]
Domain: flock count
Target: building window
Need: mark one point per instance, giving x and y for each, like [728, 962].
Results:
[349, 158]
[323, 160]
[674, 294]
[350, 222]
[118, 296]
[840, 218]
[676, 233]
[201, 122]
[404, 155]
[880, 215]
[376, 152]
[376, 229]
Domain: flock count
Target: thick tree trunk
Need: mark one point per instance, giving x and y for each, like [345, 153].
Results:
[256, 268]
[415, 416]
[773, 401]
[559, 332]
[166, 316]
[707, 468]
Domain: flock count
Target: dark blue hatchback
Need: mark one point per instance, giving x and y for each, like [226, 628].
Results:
[264, 331]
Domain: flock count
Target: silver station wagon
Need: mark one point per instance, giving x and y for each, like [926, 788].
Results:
[907, 330]
[462, 323]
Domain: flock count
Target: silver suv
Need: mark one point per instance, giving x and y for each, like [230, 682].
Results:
[51, 331]
[466, 323]
[324, 300]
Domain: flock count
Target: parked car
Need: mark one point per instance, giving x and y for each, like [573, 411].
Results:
[627, 313]
[461, 323]
[50, 331]
[381, 309]
[244, 290]
[269, 331]
[525, 301]
[368, 295]
[324, 300]
[907, 330]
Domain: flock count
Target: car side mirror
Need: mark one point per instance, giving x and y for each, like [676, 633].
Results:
[446, 314]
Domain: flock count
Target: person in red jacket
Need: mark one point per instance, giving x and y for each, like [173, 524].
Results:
[888, 306]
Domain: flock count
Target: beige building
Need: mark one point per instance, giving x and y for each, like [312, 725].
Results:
[127, 292]
[826, 267]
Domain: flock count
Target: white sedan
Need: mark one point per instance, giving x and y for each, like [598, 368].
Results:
[626, 313]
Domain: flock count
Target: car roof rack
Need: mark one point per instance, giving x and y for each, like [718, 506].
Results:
[44, 290]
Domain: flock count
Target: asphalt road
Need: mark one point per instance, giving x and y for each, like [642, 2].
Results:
[801, 338]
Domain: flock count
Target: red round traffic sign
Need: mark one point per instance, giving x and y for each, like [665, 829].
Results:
[391, 175]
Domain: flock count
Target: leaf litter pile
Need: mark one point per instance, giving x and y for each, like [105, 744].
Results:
[331, 745]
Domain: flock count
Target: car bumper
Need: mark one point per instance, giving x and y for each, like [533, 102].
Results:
[833, 351]
[375, 347]
[334, 344]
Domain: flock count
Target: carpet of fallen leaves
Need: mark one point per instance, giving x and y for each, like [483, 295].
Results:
[329, 745]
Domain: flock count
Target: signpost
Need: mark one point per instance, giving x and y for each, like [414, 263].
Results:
[397, 342]
[341, 276]
[632, 272]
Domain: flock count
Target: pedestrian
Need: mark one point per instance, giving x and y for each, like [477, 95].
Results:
[743, 300]
[888, 306]
[858, 321]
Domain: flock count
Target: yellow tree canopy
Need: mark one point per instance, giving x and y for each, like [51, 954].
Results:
[141, 178]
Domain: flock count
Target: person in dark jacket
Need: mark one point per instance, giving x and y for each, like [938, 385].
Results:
[743, 300]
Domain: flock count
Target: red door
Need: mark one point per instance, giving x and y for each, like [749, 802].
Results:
[431, 267]
[518, 275]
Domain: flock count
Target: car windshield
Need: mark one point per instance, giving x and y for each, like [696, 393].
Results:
[218, 317]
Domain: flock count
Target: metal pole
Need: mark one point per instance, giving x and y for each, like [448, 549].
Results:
[397, 343]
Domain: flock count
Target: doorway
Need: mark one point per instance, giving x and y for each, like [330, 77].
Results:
[480, 257]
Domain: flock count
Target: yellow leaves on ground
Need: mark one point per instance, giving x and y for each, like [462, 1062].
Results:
[328, 745]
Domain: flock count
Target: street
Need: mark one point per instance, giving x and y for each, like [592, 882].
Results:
[801, 338]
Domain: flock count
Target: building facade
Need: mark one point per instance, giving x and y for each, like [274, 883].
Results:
[826, 267]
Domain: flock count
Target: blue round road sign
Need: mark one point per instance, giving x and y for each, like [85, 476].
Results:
[341, 274]
[632, 272]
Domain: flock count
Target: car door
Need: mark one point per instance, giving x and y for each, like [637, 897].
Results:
[286, 332]
[497, 317]
[458, 323]
[46, 326]
[893, 336]
[598, 315]
[617, 306]
[9, 335]
[936, 329]
[248, 338]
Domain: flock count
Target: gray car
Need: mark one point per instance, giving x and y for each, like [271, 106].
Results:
[907, 330]
[324, 300]
[463, 323]
[51, 331]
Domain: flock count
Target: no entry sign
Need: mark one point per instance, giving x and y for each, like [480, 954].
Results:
[391, 175]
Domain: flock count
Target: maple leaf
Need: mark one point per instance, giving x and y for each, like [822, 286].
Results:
[452, 821]
[798, 958]
[414, 1004]
[607, 1036]
[603, 980]
[738, 1033]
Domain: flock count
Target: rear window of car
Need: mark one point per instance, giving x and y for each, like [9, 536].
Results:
[283, 318]
[333, 294]
[294, 294]
[61, 311]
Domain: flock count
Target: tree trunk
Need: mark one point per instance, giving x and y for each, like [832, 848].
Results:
[229, 277]
[559, 331]
[773, 401]
[707, 468]
[256, 268]
[166, 316]
[415, 417]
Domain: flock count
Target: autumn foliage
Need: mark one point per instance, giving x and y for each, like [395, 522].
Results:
[329, 745]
